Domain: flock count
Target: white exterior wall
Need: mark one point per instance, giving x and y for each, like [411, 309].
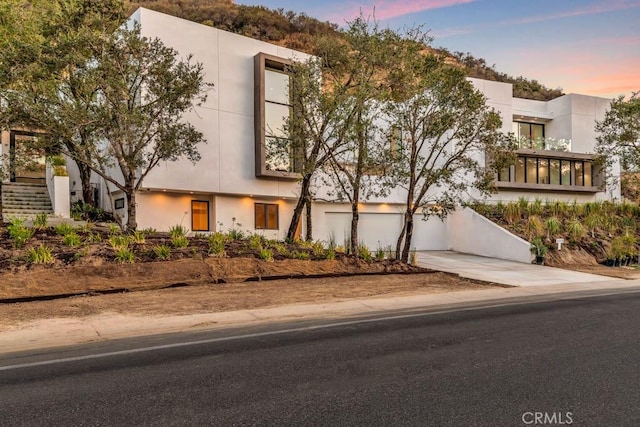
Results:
[226, 119]
[160, 210]
[464, 228]
[242, 209]
[226, 173]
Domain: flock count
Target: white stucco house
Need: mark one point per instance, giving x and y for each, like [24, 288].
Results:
[235, 183]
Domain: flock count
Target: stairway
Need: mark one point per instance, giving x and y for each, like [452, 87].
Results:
[24, 200]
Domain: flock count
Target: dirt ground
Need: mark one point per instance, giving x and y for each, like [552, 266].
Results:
[44, 281]
[236, 296]
[580, 260]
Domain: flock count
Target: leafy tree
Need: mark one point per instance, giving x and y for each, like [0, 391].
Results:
[446, 130]
[619, 133]
[321, 101]
[357, 172]
[45, 49]
[143, 92]
[333, 98]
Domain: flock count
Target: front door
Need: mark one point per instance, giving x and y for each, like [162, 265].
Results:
[27, 162]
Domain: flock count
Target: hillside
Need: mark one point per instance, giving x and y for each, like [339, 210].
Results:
[297, 31]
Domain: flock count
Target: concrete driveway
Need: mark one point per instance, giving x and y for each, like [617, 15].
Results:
[504, 272]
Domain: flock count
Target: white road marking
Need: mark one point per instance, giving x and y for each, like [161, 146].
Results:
[290, 330]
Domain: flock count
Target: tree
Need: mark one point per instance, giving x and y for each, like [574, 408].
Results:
[336, 96]
[320, 107]
[143, 92]
[324, 108]
[46, 46]
[446, 129]
[619, 134]
[354, 172]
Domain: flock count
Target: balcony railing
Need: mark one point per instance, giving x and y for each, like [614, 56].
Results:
[548, 143]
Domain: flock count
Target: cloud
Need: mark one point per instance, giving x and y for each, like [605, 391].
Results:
[594, 9]
[387, 9]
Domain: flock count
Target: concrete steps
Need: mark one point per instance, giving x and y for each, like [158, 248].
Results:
[25, 200]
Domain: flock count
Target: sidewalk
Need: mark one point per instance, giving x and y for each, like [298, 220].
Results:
[103, 327]
[504, 272]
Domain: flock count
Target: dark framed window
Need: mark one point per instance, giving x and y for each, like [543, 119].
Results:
[543, 171]
[530, 135]
[275, 156]
[549, 171]
[554, 171]
[520, 169]
[532, 170]
[119, 203]
[266, 216]
[504, 174]
[199, 215]
[565, 170]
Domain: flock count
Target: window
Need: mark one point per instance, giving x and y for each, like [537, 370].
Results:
[266, 216]
[199, 215]
[530, 135]
[578, 173]
[504, 174]
[565, 169]
[541, 170]
[532, 170]
[275, 157]
[554, 169]
[119, 203]
[520, 169]
[587, 174]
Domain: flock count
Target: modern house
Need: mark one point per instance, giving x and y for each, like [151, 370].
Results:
[239, 183]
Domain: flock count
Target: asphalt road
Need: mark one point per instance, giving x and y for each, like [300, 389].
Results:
[573, 361]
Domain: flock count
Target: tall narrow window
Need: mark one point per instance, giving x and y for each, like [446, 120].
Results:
[578, 173]
[520, 169]
[273, 108]
[199, 215]
[554, 171]
[266, 216]
[543, 171]
[504, 175]
[565, 170]
[588, 181]
[277, 111]
[532, 170]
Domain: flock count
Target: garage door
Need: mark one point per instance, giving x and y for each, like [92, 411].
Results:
[374, 229]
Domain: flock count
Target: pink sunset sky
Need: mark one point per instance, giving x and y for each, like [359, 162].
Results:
[582, 46]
